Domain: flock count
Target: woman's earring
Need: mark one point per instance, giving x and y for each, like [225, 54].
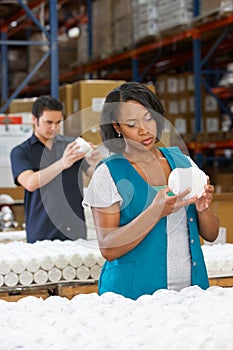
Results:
[119, 135]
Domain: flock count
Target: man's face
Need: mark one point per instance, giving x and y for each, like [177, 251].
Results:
[47, 126]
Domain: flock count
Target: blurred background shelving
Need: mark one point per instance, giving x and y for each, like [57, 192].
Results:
[183, 49]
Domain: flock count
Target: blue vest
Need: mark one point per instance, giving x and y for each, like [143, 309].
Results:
[143, 270]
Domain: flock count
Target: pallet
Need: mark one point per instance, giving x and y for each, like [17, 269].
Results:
[221, 281]
[211, 16]
[67, 290]
[16, 294]
[174, 30]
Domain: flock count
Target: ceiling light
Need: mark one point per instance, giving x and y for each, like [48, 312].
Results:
[73, 32]
[13, 24]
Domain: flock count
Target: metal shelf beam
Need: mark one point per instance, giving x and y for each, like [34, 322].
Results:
[52, 52]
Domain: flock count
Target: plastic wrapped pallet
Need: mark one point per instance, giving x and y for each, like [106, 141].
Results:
[144, 20]
[215, 7]
[102, 29]
[174, 13]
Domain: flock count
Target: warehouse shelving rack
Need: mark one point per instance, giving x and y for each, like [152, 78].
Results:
[134, 59]
[52, 52]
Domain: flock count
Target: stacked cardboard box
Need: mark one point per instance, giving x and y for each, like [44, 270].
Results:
[67, 55]
[121, 25]
[83, 101]
[102, 29]
[82, 48]
[215, 6]
[177, 93]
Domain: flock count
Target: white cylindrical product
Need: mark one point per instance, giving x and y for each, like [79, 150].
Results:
[26, 278]
[89, 259]
[61, 261]
[1, 280]
[11, 279]
[76, 259]
[40, 277]
[47, 263]
[100, 259]
[4, 267]
[95, 272]
[18, 266]
[54, 275]
[32, 264]
[193, 178]
[69, 273]
[84, 146]
[83, 272]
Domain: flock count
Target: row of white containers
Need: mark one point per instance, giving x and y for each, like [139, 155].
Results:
[26, 264]
[40, 263]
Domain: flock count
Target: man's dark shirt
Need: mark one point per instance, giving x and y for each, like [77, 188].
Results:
[55, 210]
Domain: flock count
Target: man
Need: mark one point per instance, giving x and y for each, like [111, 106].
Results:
[49, 166]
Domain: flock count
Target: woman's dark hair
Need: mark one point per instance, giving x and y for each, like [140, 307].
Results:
[131, 91]
[46, 103]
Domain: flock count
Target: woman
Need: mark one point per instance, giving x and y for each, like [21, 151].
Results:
[148, 236]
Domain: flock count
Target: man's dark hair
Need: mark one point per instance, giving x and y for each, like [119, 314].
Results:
[46, 103]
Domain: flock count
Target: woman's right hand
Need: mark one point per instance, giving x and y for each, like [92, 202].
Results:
[165, 205]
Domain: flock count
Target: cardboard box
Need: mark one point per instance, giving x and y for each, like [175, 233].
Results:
[102, 29]
[120, 9]
[166, 6]
[175, 18]
[224, 182]
[222, 205]
[122, 33]
[161, 83]
[17, 193]
[87, 100]
[20, 105]
[208, 6]
[66, 97]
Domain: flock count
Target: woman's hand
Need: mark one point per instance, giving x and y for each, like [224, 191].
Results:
[165, 205]
[203, 203]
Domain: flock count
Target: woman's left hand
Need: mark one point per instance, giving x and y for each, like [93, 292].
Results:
[205, 200]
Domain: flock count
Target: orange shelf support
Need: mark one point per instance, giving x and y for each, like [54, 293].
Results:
[224, 21]
[223, 92]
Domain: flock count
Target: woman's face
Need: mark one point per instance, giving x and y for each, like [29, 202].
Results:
[137, 126]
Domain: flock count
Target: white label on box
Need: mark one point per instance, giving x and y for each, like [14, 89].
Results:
[97, 104]
[173, 107]
[181, 125]
[211, 104]
[10, 136]
[75, 105]
[212, 124]
[172, 85]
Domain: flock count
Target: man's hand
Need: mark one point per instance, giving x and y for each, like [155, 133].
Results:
[71, 155]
